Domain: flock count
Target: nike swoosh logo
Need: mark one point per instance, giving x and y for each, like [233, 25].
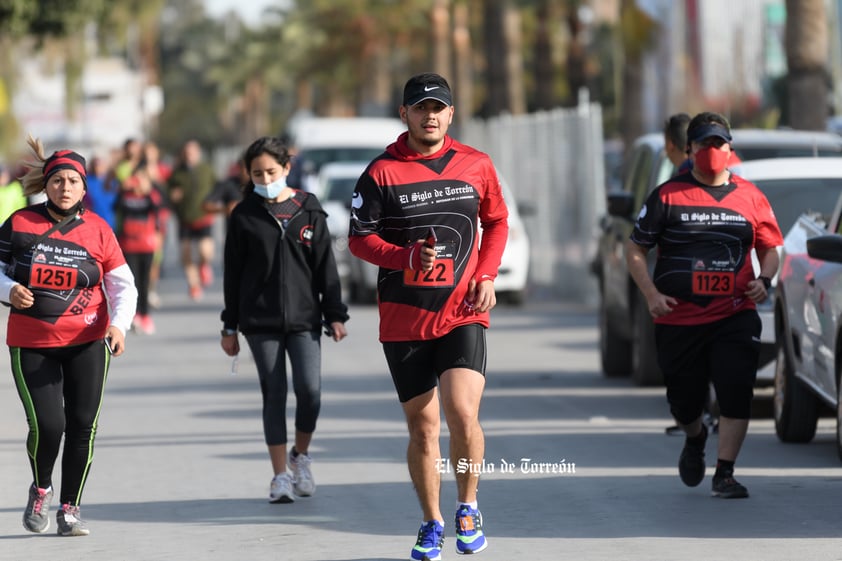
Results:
[428, 89]
[412, 351]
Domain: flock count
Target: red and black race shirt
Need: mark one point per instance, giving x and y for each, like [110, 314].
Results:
[64, 272]
[399, 198]
[138, 221]
[705, 236]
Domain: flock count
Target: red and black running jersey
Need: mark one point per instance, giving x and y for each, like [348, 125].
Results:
[399, 197]
[64, 272]
[705, 236]
[139, 221]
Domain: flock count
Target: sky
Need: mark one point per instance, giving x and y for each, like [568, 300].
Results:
[249, 10]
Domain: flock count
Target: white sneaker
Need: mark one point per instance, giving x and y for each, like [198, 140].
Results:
[302, 477]
[280, 490]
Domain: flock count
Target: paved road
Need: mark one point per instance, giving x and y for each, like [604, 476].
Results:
[181, 471]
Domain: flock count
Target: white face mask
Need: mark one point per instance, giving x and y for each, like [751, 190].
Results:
[272, 190]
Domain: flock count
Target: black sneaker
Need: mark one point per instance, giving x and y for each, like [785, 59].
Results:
[691, 463]
[728, 488]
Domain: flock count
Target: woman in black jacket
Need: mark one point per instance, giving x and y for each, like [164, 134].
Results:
[281, 285]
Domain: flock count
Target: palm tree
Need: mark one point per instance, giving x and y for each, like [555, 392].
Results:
[637, 31]
[806, 55]
[504, 62]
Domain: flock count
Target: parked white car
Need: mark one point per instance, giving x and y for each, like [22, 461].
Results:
[323, 140]
[334, 188]
[513, 275]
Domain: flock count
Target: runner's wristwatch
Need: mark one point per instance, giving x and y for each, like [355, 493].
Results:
[767, 282]
[227, 332]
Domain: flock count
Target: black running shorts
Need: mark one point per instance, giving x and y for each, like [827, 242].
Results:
[724, 352]
[417, 365]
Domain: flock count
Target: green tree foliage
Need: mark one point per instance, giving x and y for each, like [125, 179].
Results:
[225, 83]
[341, 48]
[47, 17]
[16, 17]
[189, 44]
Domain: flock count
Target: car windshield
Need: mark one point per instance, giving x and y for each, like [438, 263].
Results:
[340, 189]
[762, 153]
[314, 158]
[665, 170]
[792, 197]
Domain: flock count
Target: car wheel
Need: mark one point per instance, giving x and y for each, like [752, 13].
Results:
[795, 407]
[645, 370]
[360, 294]
[512, 297]
[614, 350]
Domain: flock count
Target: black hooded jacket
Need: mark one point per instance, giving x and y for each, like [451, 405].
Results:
[280, 280]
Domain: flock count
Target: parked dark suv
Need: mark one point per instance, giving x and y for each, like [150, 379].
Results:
[626, 333]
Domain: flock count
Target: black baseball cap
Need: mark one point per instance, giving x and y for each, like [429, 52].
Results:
[427, 86]
[708, 130]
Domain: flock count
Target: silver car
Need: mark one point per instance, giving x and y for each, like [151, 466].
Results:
[808, 323]
[793, 186]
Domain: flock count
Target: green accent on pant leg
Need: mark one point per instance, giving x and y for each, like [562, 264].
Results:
[94, 426]
[33, 438]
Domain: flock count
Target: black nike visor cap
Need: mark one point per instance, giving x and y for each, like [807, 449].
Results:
[427, 86]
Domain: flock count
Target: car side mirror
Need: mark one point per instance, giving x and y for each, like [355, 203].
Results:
[620, 204]
[826, 248]
[526, 208]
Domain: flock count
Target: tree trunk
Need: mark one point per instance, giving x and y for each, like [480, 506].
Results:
[440, 20]
[514, 61]
[576, 56]
[463, 78]
[806, 54]
[496, 100]
[636, 30]
[544, 75]
[504, 73]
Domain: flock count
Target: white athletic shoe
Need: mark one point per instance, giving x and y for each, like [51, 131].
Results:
[280, 490]
[302, 477]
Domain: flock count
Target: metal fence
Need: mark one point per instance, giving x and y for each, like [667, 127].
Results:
[553, 161]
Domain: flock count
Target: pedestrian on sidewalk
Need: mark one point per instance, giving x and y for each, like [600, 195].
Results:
[414, 214]
[63, 269]
[281, 287]
[703, 294]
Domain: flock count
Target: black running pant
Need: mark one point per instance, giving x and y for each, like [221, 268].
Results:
[61, 390]
[140, 265]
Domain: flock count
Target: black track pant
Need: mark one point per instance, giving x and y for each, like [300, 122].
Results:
[140, 265]
[61, 390]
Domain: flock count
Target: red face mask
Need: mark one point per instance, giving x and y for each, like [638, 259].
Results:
[711, 160]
